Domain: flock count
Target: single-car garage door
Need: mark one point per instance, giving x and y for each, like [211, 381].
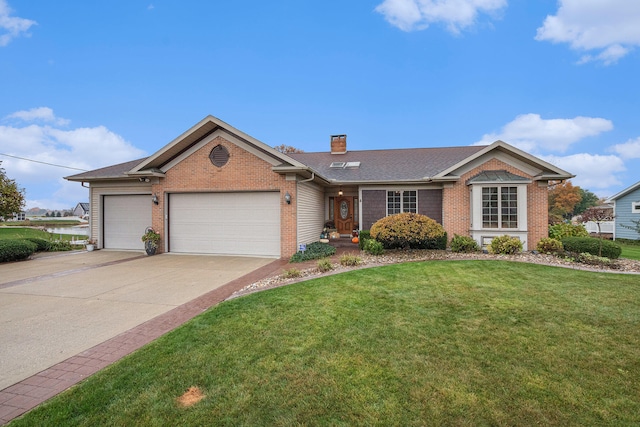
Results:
[125, 219]
[225, 223]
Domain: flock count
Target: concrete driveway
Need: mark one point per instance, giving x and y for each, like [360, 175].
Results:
[52, 308]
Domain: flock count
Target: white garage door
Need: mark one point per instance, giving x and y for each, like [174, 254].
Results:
[225, 223]
[125, 219]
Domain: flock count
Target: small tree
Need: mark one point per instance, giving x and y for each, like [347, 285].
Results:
[287, 149]
[635, 227]
[598, 215]
[11, 196]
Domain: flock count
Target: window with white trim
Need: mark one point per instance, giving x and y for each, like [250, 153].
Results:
[635, 207]
[402, 201]
[499, 207]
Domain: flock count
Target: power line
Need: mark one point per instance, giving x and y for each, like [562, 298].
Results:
[44, 163]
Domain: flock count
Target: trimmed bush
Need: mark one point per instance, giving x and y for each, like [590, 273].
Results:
[463, 244]
[409, 230]
[549, 246]
[16, 250]
[42, 245]
[590, 245]
[505, 245]
[364, 236]
[562, 230]
[373, 247]
[314, 250]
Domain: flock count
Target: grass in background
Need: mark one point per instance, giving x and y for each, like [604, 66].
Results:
[435, 343]
[25, 232]
[630, 249]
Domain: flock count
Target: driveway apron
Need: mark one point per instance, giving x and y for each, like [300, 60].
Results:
[56, 307]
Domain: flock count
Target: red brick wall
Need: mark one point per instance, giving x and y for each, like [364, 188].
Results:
[243, 172]
[457, 210]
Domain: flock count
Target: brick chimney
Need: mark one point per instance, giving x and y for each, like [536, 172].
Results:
[338, 144]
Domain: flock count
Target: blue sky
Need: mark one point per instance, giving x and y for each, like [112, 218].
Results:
[89, 84]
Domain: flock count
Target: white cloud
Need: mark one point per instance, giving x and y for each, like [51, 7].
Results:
[409, 15]
[83, 148]
[12, 26]
[532, 133]
[608, 27]
[594, 172]
[628, 150]
[43, 114]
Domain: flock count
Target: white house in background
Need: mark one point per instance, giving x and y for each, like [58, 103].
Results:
[20, 216]
[626, 207]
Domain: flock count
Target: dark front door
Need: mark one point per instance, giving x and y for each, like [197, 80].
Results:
[344, 214]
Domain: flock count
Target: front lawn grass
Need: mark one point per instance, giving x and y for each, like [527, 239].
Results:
[629, 250]
[26, 232]
[430, 343]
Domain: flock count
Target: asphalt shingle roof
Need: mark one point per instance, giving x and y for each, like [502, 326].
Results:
[387, 165]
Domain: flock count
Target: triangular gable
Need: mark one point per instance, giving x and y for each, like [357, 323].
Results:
[624, 192]
[549, 171]
[205, 130]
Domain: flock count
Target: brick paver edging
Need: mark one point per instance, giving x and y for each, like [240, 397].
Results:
[19, 398]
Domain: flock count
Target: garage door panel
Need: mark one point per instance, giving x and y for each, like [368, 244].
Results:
[124, 221]
[225, 223]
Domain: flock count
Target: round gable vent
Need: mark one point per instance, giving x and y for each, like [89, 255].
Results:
[219, 156]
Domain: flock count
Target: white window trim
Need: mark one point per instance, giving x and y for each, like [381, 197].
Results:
[476, 207]
[635, 207]
[401, 191]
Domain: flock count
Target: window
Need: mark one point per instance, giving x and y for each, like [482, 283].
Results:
[499, 207]
[635, 207]
[402, 201]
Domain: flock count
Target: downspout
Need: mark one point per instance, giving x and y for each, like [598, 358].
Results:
[313, 176]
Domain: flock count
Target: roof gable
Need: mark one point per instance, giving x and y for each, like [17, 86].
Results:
[624, 192]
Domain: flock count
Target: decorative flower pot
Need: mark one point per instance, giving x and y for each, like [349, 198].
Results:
[90, 247]
[150, 248]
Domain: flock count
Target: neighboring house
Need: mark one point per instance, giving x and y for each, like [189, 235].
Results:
[20, 216]
[626, 208]
[81, 210]
[217, 190]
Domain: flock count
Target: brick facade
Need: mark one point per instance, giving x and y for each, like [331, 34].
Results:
[243, 172]
[457, 204]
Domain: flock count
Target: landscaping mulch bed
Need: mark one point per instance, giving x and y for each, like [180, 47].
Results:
[308, 270]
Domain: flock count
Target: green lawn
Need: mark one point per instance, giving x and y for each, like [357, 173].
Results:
[431, 343]
[629, 251]
[25, 232]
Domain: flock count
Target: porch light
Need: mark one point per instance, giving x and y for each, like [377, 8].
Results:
[287, 198]
[154, 199]
[340, 192]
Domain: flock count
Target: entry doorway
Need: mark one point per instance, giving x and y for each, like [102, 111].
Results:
[343, 208]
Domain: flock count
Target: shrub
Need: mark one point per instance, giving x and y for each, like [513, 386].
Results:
[364, 235]
[579, 245]
[314, 250]
[373, 247]
[506, 245]
[41, 244]
[409, 230]
[464, 244]
[291, 273]
[562, 230]
[325, 265]
[350, 260]
[549, 246]
[15, 250]
[60, 246]
[587, 258]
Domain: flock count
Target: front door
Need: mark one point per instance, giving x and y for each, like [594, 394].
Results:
[344, 214]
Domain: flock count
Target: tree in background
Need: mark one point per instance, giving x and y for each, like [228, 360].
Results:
[587, 200]
[11, 196]
[287, 149]
[598, 215]
[563, 198]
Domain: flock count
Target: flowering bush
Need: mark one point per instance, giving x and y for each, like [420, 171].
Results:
[152, 236]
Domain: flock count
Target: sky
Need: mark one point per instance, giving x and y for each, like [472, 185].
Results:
[90, 84]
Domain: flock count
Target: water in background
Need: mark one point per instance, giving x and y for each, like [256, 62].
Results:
[84, 231]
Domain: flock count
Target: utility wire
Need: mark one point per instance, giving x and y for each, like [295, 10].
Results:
[44, 163]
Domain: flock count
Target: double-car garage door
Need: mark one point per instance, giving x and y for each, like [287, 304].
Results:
[205, 223]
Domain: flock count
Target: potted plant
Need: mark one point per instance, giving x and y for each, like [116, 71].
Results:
[150, 239]
[91, 244]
